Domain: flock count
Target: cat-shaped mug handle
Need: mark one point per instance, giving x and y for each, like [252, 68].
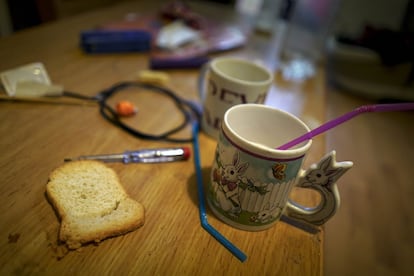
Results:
[321, 177]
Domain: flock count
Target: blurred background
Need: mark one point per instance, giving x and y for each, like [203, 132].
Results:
[367, 45]
[351, 17]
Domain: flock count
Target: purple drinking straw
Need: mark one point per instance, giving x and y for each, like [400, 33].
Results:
[337, 121]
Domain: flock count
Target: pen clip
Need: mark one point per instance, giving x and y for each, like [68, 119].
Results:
[157, 155]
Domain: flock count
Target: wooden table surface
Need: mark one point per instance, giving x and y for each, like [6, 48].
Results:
[373, 231]
[35, 139]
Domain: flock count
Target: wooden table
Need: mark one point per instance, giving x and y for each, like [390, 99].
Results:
[372, 232]
[35, 139]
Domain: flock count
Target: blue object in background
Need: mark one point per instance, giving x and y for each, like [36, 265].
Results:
[119, 41]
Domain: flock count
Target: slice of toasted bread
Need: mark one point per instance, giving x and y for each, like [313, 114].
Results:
[91, 203]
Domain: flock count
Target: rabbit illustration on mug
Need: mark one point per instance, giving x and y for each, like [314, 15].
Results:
[227, 179]
[322, 178]
[267, 214]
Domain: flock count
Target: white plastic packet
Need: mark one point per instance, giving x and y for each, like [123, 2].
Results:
[176, 34]
[29, 80]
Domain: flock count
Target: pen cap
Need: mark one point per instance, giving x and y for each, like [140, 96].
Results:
[186, 153]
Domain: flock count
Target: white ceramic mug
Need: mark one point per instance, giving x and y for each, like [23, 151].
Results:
[229, 81]
[251, 180]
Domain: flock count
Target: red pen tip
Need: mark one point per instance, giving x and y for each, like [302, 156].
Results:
[187, 153]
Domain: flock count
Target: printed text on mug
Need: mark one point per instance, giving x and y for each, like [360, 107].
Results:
[228, 97]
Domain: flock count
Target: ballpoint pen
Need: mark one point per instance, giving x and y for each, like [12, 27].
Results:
[159, 155]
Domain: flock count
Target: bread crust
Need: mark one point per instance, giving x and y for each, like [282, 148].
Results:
[91, 203]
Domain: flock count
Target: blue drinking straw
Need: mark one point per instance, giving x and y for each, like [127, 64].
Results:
[202, 208]
[339, 120]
